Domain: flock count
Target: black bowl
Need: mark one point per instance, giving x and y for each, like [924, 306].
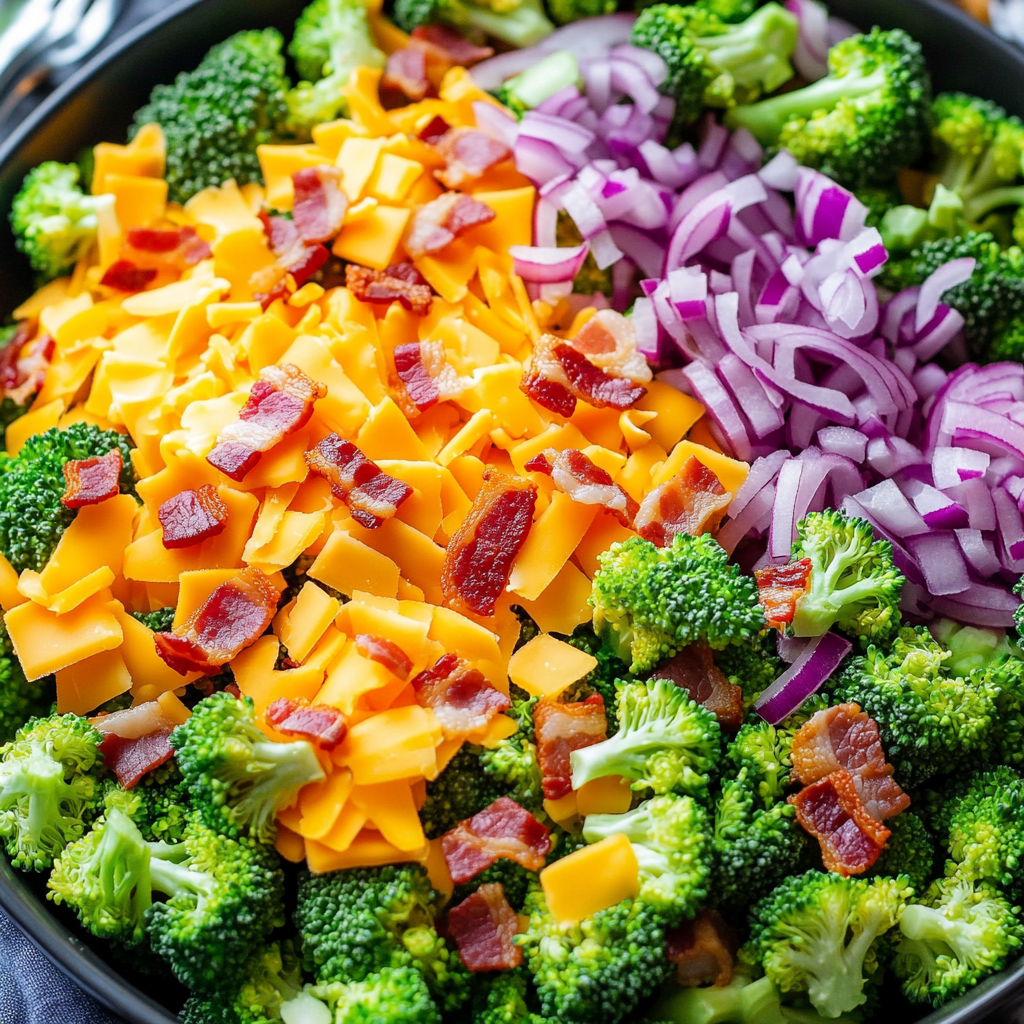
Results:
[98, 102]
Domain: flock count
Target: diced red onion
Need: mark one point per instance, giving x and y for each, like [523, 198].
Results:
[949, 275]
[810, 58]
[544, 265]
[818, 660]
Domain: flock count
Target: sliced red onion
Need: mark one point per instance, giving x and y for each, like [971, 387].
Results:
[645, 323]
[688, 291]
[708, 220]
[810, 58]
[949, 275]
[708, 390]
[889, 507]
[825, 210]
[979, 552]
[939, 511]
[818, 660]
[780, 172]
[750, 395]
[584, 211]
[843, 441]
[755, 518]
[495, 122]
[605, 251]
[539, 160]
[976, 497]
[790, 648]
[571, 139]
[941, 562]
[653, 66]
[716, 137]
[762, 472]
[634, 81]
[784, 515]
[982, 604]
[952, 466]
[544, 265]
[646, 253]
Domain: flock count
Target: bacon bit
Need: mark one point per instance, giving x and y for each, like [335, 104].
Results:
[693, 501]
[406, 71]
[703, 950]
[165, 248]
[561, 729]
[400, 282]
[423, 377]
[22, 365]
[456, 47]
[608, 340]
[294, 256]
[845, 737]
[479, 558]
[385, 652]
[125, 276]
[694, 670]
[442, 220]
[321, 724]
[90, 481]
[229, 620]
[502, 831]
[483, 927]
[434, 130]
[280, 402]
[320, 205]
[779, 587]
[130, 759]
[370, 495]
[468, 154]
[192, 516]
[460, 696]
[576, 475]
[832, 811]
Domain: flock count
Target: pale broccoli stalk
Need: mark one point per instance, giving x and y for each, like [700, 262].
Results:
[530, 88]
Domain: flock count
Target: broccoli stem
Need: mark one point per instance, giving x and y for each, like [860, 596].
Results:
[173, 878]
[985, 203]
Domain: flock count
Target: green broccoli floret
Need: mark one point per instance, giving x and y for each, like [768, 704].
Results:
[564, 11]
[651, 602]
[879, 200]
[530, 88]
[20, 700]
[611, 673]
[763, 751]
[512, 763]
[394, 995]
[957, 936]
[163, 807]
[665, 742]
[670, 836]
[598, 970]
[214, 117]
[159, 621]
[49, 788]
[32, 517]
[503, 1000]
[752, 665]
[516, 22]
[818, 933]
[514, 879]
[53, 220]
[909, 850]
[712, 63]
[239, 779]
[854, 584]
[742, 1001]
[462, 789]
[867, 117]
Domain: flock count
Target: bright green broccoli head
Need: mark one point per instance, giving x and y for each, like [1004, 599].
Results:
[464, 787]
[909, 850]
[394, 995]
[513, 878]
[162, 811]
[516, 22]
[763, 751]
[159, 621]
[501, 999]
[611, 673]
[512, 763]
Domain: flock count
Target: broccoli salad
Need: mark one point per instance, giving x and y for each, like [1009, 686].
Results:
[512, 512]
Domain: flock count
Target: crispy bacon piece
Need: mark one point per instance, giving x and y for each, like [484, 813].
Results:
[280, 402]
[608, 340]
[166, 248]
[702, 950]
[845, 737]
[192, 516]
[130, 759]
[779, 587]
[561, 729]
[694, 669]
[504, 830]
[406, 71]
[293, 256]
[832, 811]
[90, 481]
[434, 130]
[479, 558]
[423, 377]
[443, 219]
[370, 495]
[229, 620]
[22, 365]
[125, 276]
[584, 481]
[457, 48]
[385, 652]
[483, 926]
[320, 205]
[401, 282]
[693, 501]
[321, 724]
[460, 696]
[468, 153]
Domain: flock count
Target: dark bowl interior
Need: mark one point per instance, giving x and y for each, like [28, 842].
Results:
[98, 103]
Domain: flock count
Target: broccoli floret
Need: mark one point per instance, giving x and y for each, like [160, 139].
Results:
[650, 602]
[957, 936]
[517, 22]
[564, 11]
[512, 764]
[32, 517]
[239, 779]
[752, 665]
[817, 933]
[394, 995]
[909, 850]
[854, 584]
[879, 200]
[715, 64]
[159, 621]
[611, 673]
[670, 836]
[20, 700]
[665, 742]
[867, 117]
[53, 220]
[514, 879]
[163, 811]
[742, 1001]
[763, 751]
[533, 86]
[503, 1000]
[462, 789]
[49, 788]
[214, 117]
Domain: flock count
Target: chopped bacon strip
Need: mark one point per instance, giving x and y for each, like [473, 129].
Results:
[22, 365]
[456, 46]
[461, 697]
[423, 377]
[504, 830]
[401, 282]
[584, 481]
[90, 481]
[702, 950]
[483, 926]
[294, 256]
[832, 811]
[125, 276]
[434, 130]
[192, 516]
[370, 495]
[779, 587]
[693, 501]
[608, 340]
[130, 759]
[468, 153]
[229, 620]
[479, 558]
[845, 737]
[694, 669]
[406, 71]
[442, 220]
[165, 248]
[320, 205]
[321, 724]
[385, 652]
[280, 402]
[561, 729]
